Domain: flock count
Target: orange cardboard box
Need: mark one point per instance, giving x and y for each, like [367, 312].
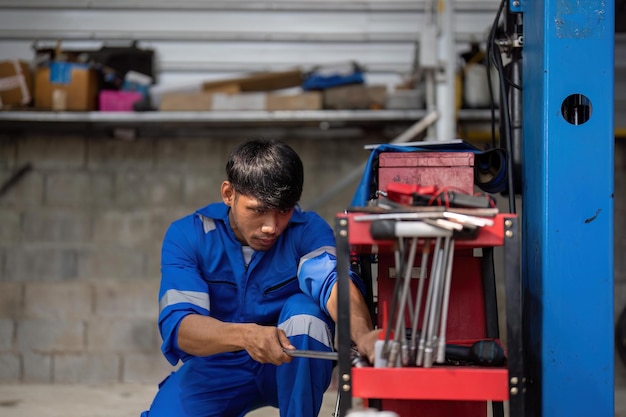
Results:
[262, 81]
[309, 100]
[16, 84]
[77, 90]
[175, 101]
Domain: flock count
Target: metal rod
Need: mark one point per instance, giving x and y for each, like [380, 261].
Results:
[399, 256]
[418, 300]
[312, 354]
[433, 317]
[399, 334]
[422, 341]
[441, 341]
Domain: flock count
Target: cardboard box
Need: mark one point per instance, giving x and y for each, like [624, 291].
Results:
[355, 97]
[311, 100]
[66, 86]
[406, 100]
[191, 101]
[227, 88]
[16, 84]
[264, 81]
[242, 101]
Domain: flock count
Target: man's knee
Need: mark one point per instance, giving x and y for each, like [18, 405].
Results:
[302, 316]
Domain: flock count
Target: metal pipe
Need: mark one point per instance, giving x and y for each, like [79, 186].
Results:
[441, 341]
[399, 336]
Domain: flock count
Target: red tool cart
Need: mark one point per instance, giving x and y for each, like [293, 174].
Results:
[443, 389]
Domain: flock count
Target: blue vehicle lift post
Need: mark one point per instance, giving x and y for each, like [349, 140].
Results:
[567, 206]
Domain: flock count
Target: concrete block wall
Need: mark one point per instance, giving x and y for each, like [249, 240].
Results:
[80, 238]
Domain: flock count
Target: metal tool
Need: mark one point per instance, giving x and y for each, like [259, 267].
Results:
[399, 338]
[441, 347]
[312, 354]
[466, 219]
[435, 292]
[398, 256]
[419, 361]
[418, 301]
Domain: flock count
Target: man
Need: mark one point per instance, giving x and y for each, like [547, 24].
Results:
[244, 279]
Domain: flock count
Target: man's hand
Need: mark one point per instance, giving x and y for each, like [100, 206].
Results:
[265, 344]
[366, 343]
[203, 336]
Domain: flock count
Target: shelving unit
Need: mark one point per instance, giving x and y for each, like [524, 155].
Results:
[449, 383]
[233, 118]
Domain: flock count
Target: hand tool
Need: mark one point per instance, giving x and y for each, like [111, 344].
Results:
[399, 334]
[399, 256]
[419, 361]
[399, 216]
[435, 307]
[441, 341]
[466, 219]
[445, 224]
[390, 229]
[311, 354]
[356, 359]
[418, 301]
[482, 352]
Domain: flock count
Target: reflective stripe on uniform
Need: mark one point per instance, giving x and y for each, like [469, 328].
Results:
[208, 223]
[306, 324]
[197, 298]
[317, 252]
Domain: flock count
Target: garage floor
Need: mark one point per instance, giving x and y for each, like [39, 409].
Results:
[124, 400]
[127, 400]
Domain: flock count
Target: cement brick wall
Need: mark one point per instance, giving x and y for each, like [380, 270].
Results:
[80, 238]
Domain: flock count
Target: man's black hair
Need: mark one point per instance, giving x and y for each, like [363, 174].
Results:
[268, 170]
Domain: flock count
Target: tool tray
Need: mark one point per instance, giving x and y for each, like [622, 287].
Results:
[441, 381]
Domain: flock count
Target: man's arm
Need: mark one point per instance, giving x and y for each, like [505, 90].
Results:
[361, 328]
[200, 335]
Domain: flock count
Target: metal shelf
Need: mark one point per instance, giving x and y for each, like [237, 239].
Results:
[212, 116]
[321, 119]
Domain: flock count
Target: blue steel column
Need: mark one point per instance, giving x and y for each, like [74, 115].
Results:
[568, 208]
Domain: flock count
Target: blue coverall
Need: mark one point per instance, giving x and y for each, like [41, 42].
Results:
[204, 272]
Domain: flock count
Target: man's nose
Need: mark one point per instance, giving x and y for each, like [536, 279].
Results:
[270, 223]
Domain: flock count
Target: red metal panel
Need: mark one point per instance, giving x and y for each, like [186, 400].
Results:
[438, 383]
[362, 241]
[466, 312]
[435, 408]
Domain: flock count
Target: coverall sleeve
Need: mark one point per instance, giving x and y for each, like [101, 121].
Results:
[317, 270]
[182, 291]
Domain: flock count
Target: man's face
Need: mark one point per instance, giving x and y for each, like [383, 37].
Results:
[253, 223]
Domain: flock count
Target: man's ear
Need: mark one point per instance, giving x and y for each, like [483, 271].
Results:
[228, 193]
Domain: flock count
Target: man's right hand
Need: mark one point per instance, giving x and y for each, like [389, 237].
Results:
[203, 336]
[265, 344]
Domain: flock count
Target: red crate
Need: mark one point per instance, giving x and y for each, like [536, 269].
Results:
[443, 169]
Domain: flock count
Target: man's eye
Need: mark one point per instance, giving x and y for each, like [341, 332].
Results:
[284, 211]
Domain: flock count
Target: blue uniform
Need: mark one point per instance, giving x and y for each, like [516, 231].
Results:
[204, 272]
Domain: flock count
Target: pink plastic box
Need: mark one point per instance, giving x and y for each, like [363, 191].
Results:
[111, 100]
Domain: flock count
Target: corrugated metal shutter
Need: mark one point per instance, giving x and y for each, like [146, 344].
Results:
[204, 40]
